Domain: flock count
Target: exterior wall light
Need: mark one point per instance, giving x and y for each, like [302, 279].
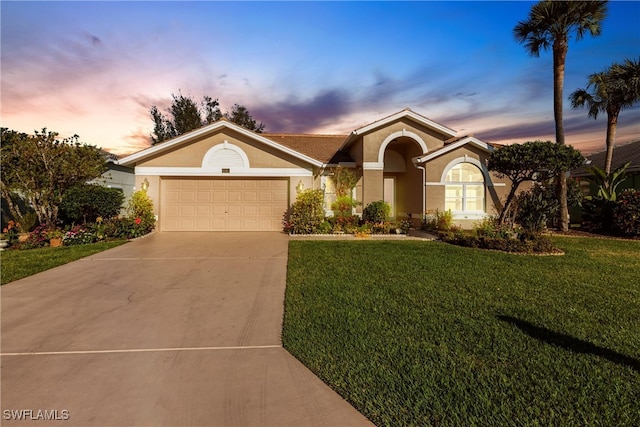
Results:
[299, 187]
[145, 185]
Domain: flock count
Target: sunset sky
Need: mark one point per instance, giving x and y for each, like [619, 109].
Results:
[96, 68]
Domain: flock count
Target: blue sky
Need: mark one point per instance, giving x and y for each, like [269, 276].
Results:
[96, 68]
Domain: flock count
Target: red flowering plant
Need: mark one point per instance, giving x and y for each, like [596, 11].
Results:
[38, 238]
[140, 218]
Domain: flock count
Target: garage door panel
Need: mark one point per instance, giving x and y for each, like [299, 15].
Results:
[219, 204]
[187, 210]
[204, 211]
[219, 196]
[250, 196]
[234, 196]
[187, 196]
[204, 196]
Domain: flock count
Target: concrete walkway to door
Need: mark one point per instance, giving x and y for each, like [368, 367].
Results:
[175, 329]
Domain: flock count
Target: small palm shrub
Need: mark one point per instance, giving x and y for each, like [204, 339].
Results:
[535, 209]
[307, 213]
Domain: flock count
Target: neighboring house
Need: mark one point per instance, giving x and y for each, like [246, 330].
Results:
[224, 177]
[117, 176]
[625, 153]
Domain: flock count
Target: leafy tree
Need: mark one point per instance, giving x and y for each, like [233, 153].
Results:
[42, 168]
[549, 25]
[185, 115]
[531, 161]
[240, 115]
[613, 90]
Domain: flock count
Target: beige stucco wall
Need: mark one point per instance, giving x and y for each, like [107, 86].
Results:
[373, 140]
[496, 190]
[192, 154]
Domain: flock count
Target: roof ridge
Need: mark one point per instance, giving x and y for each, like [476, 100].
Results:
[307, 134]
[624, 144]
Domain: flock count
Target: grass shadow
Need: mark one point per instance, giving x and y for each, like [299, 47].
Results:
[571, 343]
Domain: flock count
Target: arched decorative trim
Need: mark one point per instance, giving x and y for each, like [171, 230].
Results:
[225, 155]
[399, 134]
[473, 161]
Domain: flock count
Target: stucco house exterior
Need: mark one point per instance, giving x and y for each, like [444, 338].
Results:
[117, 176]
[225, 177]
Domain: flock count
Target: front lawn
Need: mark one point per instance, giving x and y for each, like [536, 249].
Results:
[427, 333]
[17, 264]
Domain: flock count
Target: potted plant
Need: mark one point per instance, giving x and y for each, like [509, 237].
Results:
[55, 237]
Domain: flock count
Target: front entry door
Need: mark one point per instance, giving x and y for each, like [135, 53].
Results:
[389, 194]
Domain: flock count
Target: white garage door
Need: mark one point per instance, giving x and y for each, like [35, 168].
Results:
[223, 204]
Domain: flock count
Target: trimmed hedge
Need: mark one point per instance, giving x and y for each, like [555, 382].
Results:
[528, 243]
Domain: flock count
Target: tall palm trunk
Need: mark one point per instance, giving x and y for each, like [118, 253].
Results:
[560, 48]
[612, 124]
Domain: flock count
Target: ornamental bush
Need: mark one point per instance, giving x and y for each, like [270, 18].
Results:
[626, 213]
[307, 213]
[518, 243]
[440, 220]
[140, 216]
[376, 212]
[86, 202]
[343, 206]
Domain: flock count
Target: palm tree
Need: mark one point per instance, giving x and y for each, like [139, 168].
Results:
[614, 89]
[549, 25]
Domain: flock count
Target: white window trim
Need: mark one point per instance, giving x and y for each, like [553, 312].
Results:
[476, 214]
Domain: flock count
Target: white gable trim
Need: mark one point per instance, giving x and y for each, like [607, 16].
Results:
[406, 113]
[470, 139]
[233, 172]
[182, 139]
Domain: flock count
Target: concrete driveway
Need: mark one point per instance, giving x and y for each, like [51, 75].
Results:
[175, 329]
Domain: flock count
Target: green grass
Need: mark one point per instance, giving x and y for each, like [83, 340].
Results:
[17, 264]
[426, 333]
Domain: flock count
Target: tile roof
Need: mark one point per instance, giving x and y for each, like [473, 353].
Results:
[320, 147]
[629, 152]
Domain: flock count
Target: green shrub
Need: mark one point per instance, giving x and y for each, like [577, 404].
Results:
[524, 242]
[343, 206]
[535, 208]
[441, 221]
[140, 216]
[626, 213]
[376, 212]
[307, 213]
[344, 224]
[84, 203]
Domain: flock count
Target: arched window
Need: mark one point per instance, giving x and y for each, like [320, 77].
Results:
[464, 189]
